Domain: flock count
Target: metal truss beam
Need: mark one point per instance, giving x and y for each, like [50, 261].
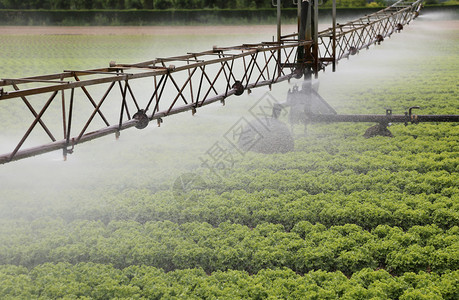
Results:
[126, 95]
[148, 91]
[355, 35]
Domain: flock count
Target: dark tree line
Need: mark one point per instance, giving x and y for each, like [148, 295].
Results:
[132, 4]
[167, 4]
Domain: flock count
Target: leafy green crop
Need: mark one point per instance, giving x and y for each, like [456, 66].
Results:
[339, 217]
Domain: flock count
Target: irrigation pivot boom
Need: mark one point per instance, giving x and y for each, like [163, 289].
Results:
[121, 96]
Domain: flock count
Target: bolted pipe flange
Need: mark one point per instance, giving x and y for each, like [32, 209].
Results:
[238, 87]
[379, 39]
[141, 118]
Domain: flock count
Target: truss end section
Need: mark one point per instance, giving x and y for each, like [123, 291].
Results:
[3, 92]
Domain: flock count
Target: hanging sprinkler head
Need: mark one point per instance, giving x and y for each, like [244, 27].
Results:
[141, 118]
[238, 87]
[352, 50]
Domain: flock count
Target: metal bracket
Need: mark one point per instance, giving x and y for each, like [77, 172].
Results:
[409, 115]
[413, 118]
[66, 149]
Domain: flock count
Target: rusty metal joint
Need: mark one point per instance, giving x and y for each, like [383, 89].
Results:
[170, 68]
[413, 118]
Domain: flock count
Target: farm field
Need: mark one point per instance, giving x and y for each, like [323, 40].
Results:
[339, 217]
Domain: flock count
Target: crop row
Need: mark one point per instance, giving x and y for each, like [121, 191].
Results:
[401, 199]
[53, 281]
[170, 246]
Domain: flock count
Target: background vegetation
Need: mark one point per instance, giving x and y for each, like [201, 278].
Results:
[93, 13]
[153, 4]
[161, 17]
[181, 4]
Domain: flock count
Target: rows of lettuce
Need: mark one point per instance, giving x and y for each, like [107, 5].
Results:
[367, 209]
[170, 246]
[342, 216]
[100, 281]
[331, 180]
[339, 204]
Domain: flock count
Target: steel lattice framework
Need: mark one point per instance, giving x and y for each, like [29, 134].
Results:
[127, 95]
[355, 35]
